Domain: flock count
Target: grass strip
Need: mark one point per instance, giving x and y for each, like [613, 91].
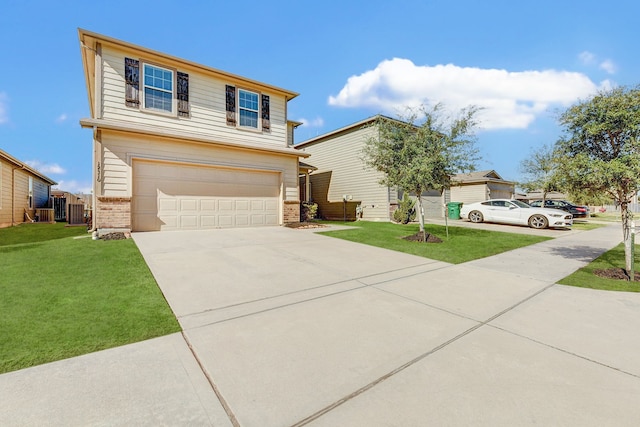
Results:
[614, 258]
[66, 297]
[463, 244]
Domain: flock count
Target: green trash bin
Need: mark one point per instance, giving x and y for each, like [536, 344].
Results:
[453, 210]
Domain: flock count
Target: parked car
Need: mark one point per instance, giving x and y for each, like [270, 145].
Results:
[515, 212]
[575, 210]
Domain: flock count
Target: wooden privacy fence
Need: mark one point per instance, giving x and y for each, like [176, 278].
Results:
[76, 213]
[60, 207]
[45, 215]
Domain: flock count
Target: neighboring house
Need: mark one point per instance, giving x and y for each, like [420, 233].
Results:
[343, 187]
[24, 192]
[340, 171]
[179, 145]
[72, 208]
[479, 186]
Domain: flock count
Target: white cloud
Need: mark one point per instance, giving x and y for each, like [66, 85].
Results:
[608, 66]
[61, 118]
[46, 168]
[73, 187]
[587, 57]
[317, 122]
[511, 100]
[4, 108]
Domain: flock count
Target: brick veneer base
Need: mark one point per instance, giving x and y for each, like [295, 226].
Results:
[113, 213]
[291, 211]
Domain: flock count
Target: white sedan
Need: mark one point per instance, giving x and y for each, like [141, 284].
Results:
[515, 212]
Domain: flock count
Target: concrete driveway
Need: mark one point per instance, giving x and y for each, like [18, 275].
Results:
[288, 327]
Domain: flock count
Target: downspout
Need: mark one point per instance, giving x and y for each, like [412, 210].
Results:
[96, 179]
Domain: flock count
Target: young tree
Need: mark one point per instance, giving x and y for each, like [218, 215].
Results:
[422, 149]
[539, 171]
[600, 151]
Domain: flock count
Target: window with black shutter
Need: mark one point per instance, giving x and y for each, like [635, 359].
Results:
[183, 94]
[155, 92]
[132, 82]
[231, 105]
[266, 122]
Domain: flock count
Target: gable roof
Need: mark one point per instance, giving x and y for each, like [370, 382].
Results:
[479, 177]
[345, 129]
[21, 165]
[89, 42]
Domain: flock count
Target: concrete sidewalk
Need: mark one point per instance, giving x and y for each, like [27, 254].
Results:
[288, 327]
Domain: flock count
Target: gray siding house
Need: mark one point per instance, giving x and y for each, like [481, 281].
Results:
[342, 185]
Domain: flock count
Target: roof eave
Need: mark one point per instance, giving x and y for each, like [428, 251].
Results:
[169, 133]
[8, 157]
[85, 35]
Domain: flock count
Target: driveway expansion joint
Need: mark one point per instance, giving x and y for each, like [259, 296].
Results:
[415, 360]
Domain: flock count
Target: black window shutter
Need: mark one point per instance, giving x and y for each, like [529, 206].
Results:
[231, 105]
[266, 122]
[132, 82]
[183, 94]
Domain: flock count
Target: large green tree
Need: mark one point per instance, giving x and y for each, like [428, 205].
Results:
[539, 170]
[600, 151]
[421, 149]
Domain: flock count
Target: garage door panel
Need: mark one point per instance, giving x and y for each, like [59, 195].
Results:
[242, 205]
[174, 196]
[257, 205]
[208, 205]
[271, 205]
[271, 219]
[166, 204]
[188, 205]
[225, 221]
[208, 221]
[225, 205]
[168, 221]
[242, 220]
[188, 221]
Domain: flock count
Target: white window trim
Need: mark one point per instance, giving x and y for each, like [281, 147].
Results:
[174, 96]
[258, 128]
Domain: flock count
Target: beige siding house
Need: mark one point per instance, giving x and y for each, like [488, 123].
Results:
[479, 186]
[179, 145]
[24, 192]
[341, 172]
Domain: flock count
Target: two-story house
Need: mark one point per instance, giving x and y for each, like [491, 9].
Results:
[340, 171]
[179, 145]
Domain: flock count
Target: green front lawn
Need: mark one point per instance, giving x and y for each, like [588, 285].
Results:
[463, 244]
[585, 277]
[64, 296]
[38, 232]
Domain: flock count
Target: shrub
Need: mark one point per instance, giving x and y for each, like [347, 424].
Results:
[308, 211]
[406, 211]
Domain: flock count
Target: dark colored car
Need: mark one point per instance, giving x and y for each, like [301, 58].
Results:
[575, 210]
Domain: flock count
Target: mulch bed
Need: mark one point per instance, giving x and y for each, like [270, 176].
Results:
[303, 225]
[419, 237]
[114, 236]
[616, 273]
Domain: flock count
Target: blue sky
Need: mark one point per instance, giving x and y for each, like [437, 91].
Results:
[522, 61]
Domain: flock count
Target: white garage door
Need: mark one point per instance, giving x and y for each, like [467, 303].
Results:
[170, 196]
